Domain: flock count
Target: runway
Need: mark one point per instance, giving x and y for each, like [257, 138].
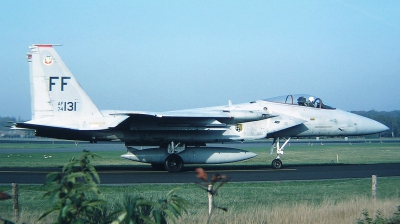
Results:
[116, 176]
[244, 173]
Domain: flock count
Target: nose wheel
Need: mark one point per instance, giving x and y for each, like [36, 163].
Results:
[276, 164]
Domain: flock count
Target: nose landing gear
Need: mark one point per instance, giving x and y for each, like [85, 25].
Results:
[277, 163]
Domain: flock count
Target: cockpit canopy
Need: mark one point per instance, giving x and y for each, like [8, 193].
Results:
[302, 100]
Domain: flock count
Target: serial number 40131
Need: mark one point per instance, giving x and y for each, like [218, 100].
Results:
[66, 106]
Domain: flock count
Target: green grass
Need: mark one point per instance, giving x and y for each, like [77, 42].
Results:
[361, 153]
[239, 198]
[267, 202]
[58, 159]
[29, 145]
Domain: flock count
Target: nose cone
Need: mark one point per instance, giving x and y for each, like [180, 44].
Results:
[366, 126]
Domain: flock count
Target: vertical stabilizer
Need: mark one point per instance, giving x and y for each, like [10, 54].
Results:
[56, 96]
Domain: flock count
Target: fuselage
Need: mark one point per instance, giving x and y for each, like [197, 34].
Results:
[284, 120]
[62, 109]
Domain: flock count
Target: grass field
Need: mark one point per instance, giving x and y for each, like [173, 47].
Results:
[360, 153]
[326, 201]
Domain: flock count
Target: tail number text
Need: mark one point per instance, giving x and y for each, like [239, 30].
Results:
[66, 106]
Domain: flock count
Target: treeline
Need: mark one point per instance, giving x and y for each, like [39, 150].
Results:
[390, 119]
[5, 122]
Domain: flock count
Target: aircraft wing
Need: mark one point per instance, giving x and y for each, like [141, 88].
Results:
[198, 117]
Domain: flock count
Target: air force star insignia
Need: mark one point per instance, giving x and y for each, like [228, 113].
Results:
[48, 60]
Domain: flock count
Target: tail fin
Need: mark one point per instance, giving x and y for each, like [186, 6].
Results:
[56, 95]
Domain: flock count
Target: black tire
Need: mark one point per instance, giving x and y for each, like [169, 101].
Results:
[276, 164]
[158, 166]
[173, 163]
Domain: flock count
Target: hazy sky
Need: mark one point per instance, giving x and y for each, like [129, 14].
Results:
[169, 55]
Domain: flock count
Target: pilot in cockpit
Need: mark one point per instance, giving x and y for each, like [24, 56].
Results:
[301, 101]
[310, 101]
[306, 102]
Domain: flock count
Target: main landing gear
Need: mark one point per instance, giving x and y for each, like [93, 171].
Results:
[174, 163]
[277, 163]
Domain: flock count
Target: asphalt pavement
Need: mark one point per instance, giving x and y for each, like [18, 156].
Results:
[113, 175]
[246, 173]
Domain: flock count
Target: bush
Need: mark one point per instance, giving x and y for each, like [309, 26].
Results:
[78, 199]
[379, 219]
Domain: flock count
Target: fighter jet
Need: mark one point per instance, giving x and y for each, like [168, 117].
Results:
[61, 109]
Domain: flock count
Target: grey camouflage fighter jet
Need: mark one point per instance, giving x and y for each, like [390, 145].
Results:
[61, 109]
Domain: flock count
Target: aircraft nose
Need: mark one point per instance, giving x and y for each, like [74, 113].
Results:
[368, 126]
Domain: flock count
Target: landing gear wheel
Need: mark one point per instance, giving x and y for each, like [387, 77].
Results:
[158, 166]
[276, 164]
[173, 163]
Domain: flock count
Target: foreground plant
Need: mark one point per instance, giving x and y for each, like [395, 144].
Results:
[138, 210]
[78, 200]
[379, 219]
[217, 181]
[5, 196]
